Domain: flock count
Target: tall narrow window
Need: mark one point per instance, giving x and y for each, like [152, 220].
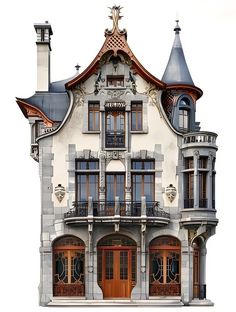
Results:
[203, 172]
[184, 120]
[136, 116]
[93, 116]
[115, 128]
[87, 179]
[184, 114]
[188, 183]
[143, 184]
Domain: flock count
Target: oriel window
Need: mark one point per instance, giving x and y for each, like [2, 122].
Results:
[93, 116]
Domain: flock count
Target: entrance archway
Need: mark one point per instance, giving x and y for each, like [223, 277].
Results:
[68, 267]
[116, 266]
[164, 267]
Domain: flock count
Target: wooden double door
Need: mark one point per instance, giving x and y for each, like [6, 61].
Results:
[117, 271]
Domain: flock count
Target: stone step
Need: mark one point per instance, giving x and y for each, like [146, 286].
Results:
[62, 301]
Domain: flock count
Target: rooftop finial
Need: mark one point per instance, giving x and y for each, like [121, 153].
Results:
[115, 16]
[177, 29]
[77, 67]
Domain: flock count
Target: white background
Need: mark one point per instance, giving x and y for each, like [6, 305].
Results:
[208, 37]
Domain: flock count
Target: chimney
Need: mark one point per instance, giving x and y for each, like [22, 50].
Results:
[44, 32]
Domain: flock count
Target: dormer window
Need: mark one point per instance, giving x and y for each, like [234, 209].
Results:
[115, 81]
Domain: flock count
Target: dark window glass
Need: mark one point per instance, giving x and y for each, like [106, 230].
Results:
[189, 163]
[202, 189]
[109, 264]
[188, 189]
[87, 164]
[143, 164]
[203, 162]
[136, 116]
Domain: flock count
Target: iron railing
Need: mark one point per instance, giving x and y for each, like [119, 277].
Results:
[115, 139]
[112, 208]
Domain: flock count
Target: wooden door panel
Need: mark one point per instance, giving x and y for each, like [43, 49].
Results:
[116, 281]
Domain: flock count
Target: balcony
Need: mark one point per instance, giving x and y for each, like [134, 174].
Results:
[198, 216]
[199, 139]
[115, 139]
[121, 212]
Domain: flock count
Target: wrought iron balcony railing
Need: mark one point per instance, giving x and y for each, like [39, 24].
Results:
[114, 208]
[115, 139]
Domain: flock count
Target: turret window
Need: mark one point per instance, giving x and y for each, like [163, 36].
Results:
[184, 115]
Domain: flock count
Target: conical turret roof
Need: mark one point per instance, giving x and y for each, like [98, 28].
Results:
[177, 71]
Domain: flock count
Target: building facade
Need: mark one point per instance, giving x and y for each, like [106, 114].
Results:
[127, 179]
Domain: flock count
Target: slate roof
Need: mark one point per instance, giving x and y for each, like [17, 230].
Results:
[177, 71]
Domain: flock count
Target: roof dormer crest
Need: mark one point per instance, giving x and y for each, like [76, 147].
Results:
[115, 16]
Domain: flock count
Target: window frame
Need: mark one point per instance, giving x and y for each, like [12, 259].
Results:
[136, 109]
[93, 109]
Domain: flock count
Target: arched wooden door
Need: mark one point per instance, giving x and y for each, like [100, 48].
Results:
[164, 267]
[68, 267]
[116, 266]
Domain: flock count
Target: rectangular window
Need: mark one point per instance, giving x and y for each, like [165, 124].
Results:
[188, 190]
[136, 116]
[184, 120]
[115, 81]
[202, 189]
[188, 163]
[87, 181]
[143, 164]
[203, 162]
[93, 116]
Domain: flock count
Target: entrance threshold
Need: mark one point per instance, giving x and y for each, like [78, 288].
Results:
[75, 301]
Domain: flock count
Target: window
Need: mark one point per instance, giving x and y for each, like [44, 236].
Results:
[202, 166]
[115, 128]
[136, 116]
[184, 120]
[93, 116]
[87, 179]
[143, 182]
[184, 115]
[115, 81]
[188, 183]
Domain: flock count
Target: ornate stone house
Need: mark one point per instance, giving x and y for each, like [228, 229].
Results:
[127, 179]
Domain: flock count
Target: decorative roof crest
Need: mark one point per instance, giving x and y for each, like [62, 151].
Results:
[115, 16]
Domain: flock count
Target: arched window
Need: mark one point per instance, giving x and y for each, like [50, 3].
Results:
[68, 266]
[164, 267]
[184, 114]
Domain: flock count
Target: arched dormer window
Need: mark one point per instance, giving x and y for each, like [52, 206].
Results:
[185, 115]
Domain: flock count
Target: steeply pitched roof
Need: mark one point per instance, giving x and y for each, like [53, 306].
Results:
[177, 71]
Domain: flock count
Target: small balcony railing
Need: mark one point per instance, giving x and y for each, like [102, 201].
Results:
[121, 209]
[115, 139]
[202, 138]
